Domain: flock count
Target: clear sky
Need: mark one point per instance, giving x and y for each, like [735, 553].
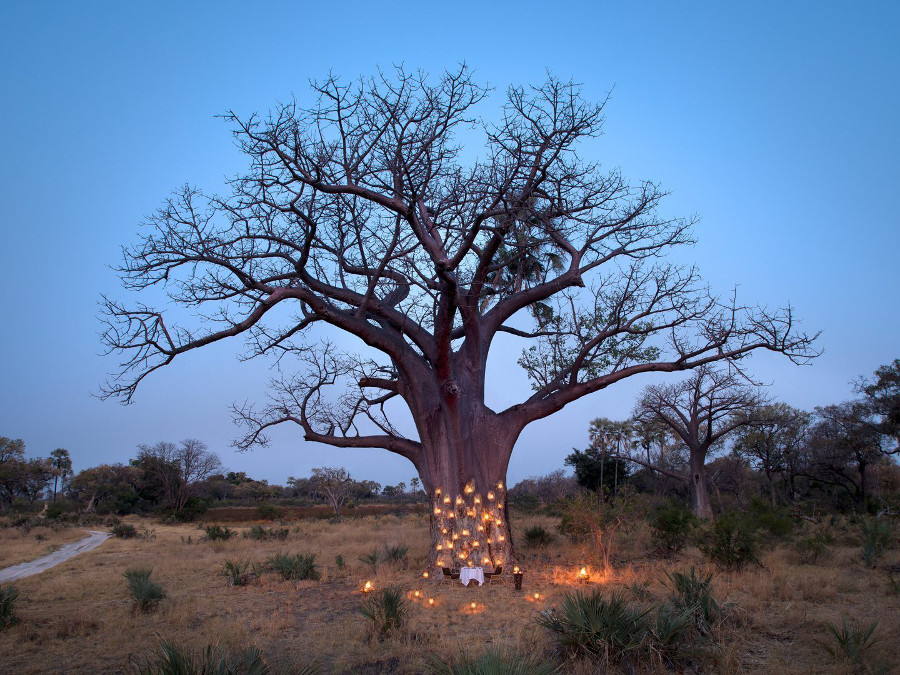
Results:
[775, 122]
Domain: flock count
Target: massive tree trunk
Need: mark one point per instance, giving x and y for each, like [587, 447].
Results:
[700, 486]
[465, 454]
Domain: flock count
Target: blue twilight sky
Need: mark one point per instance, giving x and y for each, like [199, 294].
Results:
[775, 122]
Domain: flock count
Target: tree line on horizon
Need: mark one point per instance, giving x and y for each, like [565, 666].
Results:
[714, 424]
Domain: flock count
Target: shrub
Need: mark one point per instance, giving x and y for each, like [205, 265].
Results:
[295, 567]
[494, 661]
[219, 533]
[178, 660]
[730, 542]
[852, 643]
[395, 554]
[236, 572]
[339, 561]
[811, 547]
[8, 598]
[693, 594]
[268, 512]
[387, 611]
[370, 559]
[537, 536]
[145, 593]
[124, 531]
[260, 532]
[670, 526]
[591, 625]
[876, 537]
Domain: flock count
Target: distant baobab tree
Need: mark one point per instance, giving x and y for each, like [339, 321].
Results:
[357, 214]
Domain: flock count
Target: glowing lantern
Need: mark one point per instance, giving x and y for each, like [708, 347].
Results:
[477, 500]
[425, 575]
[485, 561]
[439, 547]
[537, 596]
[481, 528]
[516, 569]
[469, 489]
[462, 554]
[449, 544]
[472, 605]
[500, 485]
[491, 496]
[431, 601]
[417, 594]
[459, 499]
[465, 533]
[444, 531]
[455, 536]
[451, 515]
[501, 538]
[476, 544]
[437, 491]
[368, 587]
[437, 511]
[583, 574]
[446, 500]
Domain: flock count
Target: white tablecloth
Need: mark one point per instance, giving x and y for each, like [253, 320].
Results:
[467, 574]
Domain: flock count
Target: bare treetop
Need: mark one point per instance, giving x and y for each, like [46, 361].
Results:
[357, 212]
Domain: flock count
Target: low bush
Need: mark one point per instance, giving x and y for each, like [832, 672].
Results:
[268, 512]
[8, 597]
[124, 531]
[236, 572]
[693, 594]
[146, 594]
[271, 534]
[218, 533]
[494, 661]
[387, 610]
[395, 554]
[371, 559]
[296, 567]
[587, 624]
[178, 660]
[810, 548]
[851, 643]
[670, 527]
[876, 536]
[537, 536]
[730, 542]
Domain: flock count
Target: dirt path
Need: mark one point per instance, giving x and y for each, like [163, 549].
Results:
[26, 569]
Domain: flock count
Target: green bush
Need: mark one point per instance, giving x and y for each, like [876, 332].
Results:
[537, 536]
[494, 661]
[8, 598]
[236, 572]
[608, 630]
[371, 559]
[876, 537]
[268, 512]
[775, 521]
[296, 567]
[670, 527]
[146, 594]
[811, 547]
[693, 594]
[124, 531]
[851, 643]
[387, 611]
[730, 542]
[218, 533]
[261, 533]
[395, 554]
[177, 660]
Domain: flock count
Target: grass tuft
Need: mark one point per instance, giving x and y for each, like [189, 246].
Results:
[146, 594]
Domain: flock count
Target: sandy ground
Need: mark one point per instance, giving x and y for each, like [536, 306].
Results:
[65, 552]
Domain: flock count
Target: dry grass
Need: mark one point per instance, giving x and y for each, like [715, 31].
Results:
[79, 613]
[18, 546]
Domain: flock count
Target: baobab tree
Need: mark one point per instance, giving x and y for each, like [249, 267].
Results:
[701, 411]
[356, 213]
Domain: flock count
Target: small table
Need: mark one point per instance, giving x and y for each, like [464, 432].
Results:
[467, 574]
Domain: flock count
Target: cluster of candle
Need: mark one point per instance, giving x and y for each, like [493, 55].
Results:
[471, 525]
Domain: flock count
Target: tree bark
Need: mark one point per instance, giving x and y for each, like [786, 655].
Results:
[700, 486]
